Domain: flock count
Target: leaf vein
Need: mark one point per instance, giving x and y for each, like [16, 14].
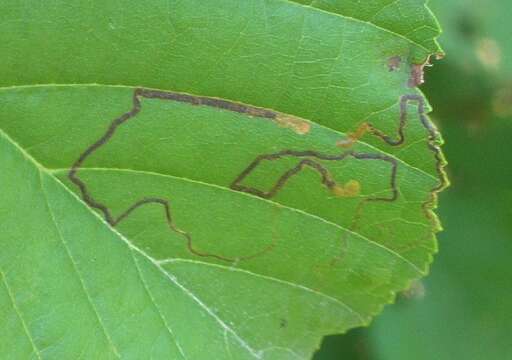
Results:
[266, 277]
[77, 272]
[20, 316]
[148, 292]
[361, 21]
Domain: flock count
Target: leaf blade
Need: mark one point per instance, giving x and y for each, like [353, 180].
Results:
[323, 72]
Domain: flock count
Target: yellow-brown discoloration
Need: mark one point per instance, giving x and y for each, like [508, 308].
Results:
[489, 53]
[352, 138]
[298, 125]
[417, 76]
[351, 189]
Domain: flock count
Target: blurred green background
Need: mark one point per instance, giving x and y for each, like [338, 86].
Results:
[463, 309]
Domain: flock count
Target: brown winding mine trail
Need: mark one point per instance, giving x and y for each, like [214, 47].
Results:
[307, 159]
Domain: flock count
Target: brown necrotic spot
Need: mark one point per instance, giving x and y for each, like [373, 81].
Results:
[296, 124]
[394, 63]
[351, 189]
[417, 76]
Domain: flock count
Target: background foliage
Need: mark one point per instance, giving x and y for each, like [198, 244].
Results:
[460, 311]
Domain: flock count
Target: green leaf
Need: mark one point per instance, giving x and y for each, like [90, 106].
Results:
[169, 223]
[463, 312]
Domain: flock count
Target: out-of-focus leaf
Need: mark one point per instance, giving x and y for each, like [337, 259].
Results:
[476, 35]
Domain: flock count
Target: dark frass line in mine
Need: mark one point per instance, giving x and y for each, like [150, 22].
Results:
[433, 138]
[306, 156]
[366, 127]
[152, 94]
[307, 159]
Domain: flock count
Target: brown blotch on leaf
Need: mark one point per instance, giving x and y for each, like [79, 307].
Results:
[417, 77]
[298, 125]
[351, 189]
[394, 63]
[352, 138]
